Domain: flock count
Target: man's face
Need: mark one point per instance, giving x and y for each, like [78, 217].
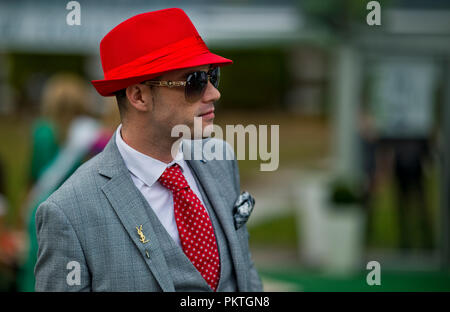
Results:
[170, 108]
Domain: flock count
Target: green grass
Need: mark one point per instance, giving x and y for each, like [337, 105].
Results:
[385, 230]
[385, 217]
[390, 280]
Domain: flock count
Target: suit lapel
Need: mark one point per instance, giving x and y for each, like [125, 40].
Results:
[211, 184]
[130, 207]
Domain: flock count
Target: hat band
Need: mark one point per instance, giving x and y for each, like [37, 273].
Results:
[160, 60]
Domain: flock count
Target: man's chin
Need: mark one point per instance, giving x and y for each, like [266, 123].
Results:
[208, 130]
[206, 126]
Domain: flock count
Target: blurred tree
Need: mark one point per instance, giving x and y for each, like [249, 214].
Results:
[258, 79]
[28, 73]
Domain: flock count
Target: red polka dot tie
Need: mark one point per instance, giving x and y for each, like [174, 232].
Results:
[194, 226]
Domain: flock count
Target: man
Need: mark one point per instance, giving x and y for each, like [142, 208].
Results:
[135, 218]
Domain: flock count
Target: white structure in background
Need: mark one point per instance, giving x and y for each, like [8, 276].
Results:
[331, 238]
[41, 26]
[311, 211]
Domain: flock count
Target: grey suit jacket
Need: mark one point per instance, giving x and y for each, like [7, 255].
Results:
[88, 226]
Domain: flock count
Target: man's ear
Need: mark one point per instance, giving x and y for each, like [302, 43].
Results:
[135, 94]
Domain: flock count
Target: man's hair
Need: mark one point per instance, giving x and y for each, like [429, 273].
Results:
[121, 98]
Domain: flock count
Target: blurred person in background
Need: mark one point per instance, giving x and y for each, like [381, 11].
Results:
[63, 98]
[404, 160]
[67, 99]
[410, 156]
[368, 148]
[109, 120]
[403, 103]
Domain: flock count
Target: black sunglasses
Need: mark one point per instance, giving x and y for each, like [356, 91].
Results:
[195, 83]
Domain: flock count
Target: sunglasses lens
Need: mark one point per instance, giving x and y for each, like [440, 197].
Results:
[195, 84]
[197, 81]
[215, 77]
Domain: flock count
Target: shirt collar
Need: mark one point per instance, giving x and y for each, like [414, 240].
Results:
[144, 167]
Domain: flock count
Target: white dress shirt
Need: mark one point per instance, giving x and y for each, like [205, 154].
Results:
[145, 172]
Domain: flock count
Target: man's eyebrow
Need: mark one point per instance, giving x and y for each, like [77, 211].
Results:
[184, 74]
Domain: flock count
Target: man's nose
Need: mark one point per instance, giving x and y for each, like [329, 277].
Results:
[211, 93]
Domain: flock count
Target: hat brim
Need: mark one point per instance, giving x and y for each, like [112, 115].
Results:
[107, 87]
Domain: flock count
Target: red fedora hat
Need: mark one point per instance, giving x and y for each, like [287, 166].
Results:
[149, 44]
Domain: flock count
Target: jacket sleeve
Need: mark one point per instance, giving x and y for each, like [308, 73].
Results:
[255, 284]
[61, 264]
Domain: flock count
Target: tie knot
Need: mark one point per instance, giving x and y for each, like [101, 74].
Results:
[173, 178]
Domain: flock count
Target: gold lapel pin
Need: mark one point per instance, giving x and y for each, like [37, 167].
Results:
[141, 235]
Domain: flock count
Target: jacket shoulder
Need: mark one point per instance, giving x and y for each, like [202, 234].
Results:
[83, 186]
